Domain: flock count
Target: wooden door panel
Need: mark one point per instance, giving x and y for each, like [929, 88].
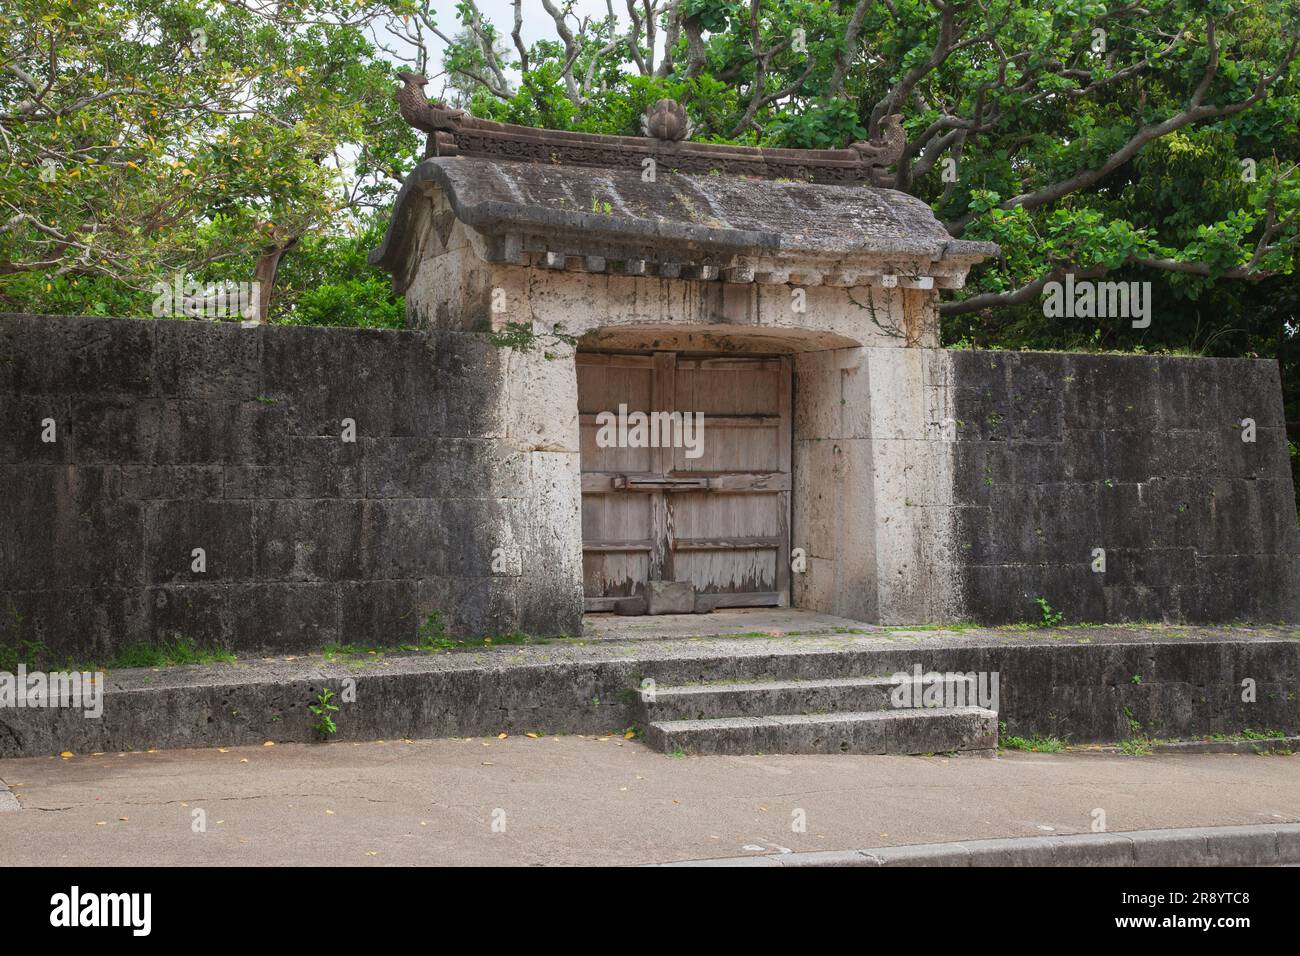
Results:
[710, 514]
[729, 539]
[737, 572]
[727, 543]
[734, 446]
[611, 460]
[616, 518]
[608, 576]
[730, 386]
[604, 383]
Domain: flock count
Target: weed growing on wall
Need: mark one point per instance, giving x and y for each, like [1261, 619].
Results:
[323, 710]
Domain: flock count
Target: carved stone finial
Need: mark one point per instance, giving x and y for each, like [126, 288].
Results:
[423, 114]
[666, 120]
[886, 150]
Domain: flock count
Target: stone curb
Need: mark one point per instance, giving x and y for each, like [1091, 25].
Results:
[1261, 745]
[1255, 845]
[1255, 746]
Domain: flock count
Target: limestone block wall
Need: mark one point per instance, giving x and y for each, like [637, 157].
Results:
[937, 485]
[175, 435]
[1056, 455]
[928, 485]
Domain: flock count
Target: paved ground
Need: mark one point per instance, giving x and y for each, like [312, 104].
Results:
[592, 800]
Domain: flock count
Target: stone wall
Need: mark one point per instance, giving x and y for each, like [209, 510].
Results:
[928, 485]
[175, 435]
[1057, 455]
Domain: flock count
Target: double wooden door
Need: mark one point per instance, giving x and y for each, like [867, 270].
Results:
[718, 515]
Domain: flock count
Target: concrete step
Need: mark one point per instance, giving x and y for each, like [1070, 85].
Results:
[758, 698]
[910, 731]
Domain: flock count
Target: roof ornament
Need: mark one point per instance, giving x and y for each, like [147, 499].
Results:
[886, 150]
[424, 114]
[667, 130]
[666, 120]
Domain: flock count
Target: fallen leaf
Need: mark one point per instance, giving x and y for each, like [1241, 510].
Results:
[502, 736]
[67, 754]
[532, 735]
[269, 743]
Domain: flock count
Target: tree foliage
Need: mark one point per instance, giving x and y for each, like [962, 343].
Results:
[1154, 142]
[152, 138]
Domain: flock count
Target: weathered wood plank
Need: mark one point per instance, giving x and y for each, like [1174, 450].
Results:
[724, 544]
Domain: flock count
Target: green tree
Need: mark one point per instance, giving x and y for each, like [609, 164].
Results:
[154, 138]
[1138, 142]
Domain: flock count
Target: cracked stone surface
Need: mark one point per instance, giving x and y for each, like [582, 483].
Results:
[585, 799]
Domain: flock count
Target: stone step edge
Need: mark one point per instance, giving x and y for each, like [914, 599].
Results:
[1269, 844]
[847, 716]
[809, 683]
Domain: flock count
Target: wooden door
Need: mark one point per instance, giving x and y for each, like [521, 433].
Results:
[720, 520]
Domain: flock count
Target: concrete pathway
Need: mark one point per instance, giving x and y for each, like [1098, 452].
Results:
[575, 800]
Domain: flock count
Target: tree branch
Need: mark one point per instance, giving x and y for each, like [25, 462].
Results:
[1194, 112]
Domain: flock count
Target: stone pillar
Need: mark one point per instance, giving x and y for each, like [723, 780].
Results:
[540, 399]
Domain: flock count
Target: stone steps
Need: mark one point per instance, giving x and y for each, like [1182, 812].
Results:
[919, 731]
[756, 698]
[818, 715]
